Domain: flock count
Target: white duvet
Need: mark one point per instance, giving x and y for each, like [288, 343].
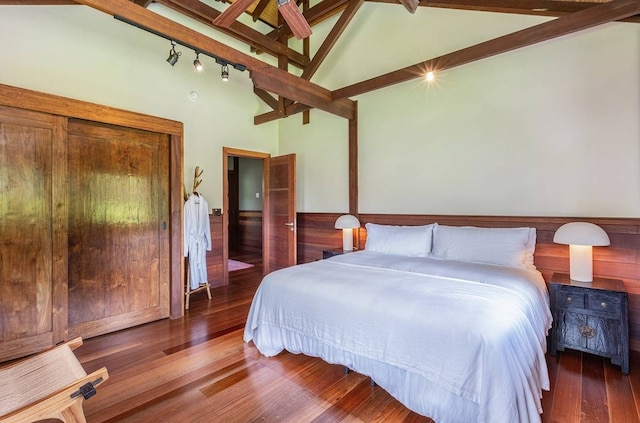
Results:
[458, 342]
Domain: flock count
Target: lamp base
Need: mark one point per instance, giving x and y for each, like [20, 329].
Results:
[581, 263]
[347, 239]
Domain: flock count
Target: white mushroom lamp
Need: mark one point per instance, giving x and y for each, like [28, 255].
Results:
[581, 237]
[347, 223]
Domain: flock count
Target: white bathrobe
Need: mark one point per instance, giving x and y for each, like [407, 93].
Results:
[197, 238]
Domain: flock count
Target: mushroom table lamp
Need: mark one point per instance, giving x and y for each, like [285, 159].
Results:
[581, 237]
[347, 223]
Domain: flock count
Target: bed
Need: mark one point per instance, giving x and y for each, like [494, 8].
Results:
[451, 321]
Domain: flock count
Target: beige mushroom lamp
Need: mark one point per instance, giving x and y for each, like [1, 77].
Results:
[347, 223]
[581, 237]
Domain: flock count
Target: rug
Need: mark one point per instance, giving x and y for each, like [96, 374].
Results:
[237, 265]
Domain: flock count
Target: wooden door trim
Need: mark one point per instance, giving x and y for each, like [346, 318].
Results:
[235, 152]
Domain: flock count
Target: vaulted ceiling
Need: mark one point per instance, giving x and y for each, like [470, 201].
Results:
[288, 94]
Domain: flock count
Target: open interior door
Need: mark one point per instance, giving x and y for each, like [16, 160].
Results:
[280, 230]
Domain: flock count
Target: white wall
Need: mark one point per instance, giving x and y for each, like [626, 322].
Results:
[250, 183]
[551, 129]
[81, 53]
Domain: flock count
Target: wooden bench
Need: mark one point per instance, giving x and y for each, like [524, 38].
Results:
[50, 385]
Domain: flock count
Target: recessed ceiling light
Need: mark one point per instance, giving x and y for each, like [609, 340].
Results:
[193, 96]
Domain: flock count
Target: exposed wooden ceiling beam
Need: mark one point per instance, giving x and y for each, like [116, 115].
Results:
[264, 76]
[593, 16]
[199, 11]
[266, 97]
[231, 13]
[143, 3]
[331, 39]
[293, 88]
[257, 11]
[552, 7]
[289, 110]
[316, 14]
[522, 7]
[36, 2]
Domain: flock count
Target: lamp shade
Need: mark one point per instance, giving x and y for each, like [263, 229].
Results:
[347, 221]
[581, 233]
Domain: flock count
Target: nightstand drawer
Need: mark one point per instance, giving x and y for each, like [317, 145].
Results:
[570, 299]
[604, 302]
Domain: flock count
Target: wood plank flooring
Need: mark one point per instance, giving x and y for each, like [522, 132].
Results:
[198, 369]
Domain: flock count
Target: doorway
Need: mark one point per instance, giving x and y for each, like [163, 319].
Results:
[242, 216]
[244, 176]
[279, 231]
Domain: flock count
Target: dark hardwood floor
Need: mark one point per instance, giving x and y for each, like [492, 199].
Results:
[198, 369]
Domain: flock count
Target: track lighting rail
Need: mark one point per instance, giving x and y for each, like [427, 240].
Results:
[219, 60]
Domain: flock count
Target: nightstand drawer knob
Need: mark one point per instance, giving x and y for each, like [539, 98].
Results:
[569, 300]
[587, 331]
[603, 305]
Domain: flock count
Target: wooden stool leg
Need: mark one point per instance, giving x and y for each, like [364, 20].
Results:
[187, 291]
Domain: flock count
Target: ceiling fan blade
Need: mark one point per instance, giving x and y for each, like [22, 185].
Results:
[231, 13]
[296, 21]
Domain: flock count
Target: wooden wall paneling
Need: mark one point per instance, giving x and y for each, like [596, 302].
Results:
[176, 207]
[619, 260]
[33, 102]
[32, 263]
[215, 265]
[316, 232]
[250, 231]
[63, 106]
[59, 223]
[48, 103]
[119, 238]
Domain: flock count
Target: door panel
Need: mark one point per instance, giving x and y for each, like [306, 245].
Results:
[32, 307]
[118, 232]
[281, 227]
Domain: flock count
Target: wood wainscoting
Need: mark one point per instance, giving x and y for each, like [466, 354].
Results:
[249, 240]
[215, 268]
[250, 231]
[620, 260]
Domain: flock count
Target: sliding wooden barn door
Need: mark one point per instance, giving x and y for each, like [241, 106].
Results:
[32, 228]
[280, 229]
[119, 236]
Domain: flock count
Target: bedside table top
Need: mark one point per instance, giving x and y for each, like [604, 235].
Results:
[340, 251]
[604, 284]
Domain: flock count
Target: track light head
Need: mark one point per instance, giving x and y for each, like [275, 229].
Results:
[173, 54]
[225, 72]
[197, 64]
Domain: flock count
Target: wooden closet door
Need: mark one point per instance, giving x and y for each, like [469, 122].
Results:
[32, 232]
[118, 190]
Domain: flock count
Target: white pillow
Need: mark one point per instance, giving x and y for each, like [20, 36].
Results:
[512, 247]
[413, 241]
